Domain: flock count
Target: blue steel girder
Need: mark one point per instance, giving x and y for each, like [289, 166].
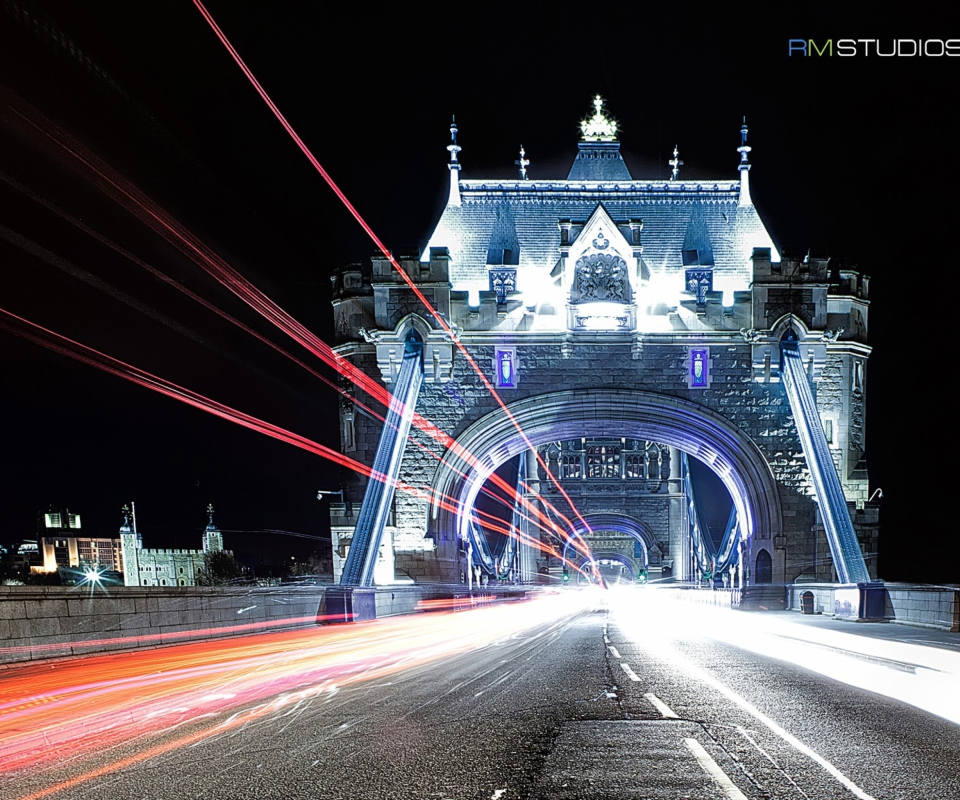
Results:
[377, 500]
[841, 536]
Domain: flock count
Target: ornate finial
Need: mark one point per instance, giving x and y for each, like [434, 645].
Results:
[210, 512]
[523, 163]
[126, 514]
[676, 163]
[599, 127]
[454, 165]
[453, 147]
[744, 150]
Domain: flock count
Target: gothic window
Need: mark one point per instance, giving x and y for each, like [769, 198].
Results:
[603, 461]
[698, 283]
[570, 465]
[633, 463]
[503, 282]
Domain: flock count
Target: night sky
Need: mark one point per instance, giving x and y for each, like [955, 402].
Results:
[854, 157]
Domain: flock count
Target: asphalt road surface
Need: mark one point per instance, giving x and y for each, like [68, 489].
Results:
[605, 696]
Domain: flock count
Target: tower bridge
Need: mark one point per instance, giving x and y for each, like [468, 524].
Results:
[626, 324]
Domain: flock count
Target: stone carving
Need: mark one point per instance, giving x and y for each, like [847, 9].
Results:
[370, 337]
[601, 277]
[831, 336]
[751, 336]
[503, 282]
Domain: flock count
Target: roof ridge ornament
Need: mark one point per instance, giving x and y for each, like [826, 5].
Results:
[744, 151]
[599, 127]
[675, 163]
[523, 162]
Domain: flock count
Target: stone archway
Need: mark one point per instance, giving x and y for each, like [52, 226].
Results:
[619, 523]
[694, 429]
[584, 574]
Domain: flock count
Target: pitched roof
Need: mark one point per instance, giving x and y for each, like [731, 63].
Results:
[676, 215]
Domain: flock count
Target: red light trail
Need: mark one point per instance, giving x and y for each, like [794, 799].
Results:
[113, 184]
[387, 254]
[74, 721]
[65, 346]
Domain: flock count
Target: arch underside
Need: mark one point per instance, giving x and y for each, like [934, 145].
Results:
[618, 523]
[694, 429]
[620, 558]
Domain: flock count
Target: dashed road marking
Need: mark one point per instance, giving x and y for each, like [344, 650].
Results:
[630, 673]
[614, 651]
[712, 768]
[665, 711]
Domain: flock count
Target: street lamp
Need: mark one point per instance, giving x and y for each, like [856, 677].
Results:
[348, 506]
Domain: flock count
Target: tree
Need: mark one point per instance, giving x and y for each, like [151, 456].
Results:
[218, 568]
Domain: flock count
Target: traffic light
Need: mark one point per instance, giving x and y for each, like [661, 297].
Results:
[566, 573]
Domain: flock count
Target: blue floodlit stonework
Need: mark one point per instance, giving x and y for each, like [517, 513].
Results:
[624, 322]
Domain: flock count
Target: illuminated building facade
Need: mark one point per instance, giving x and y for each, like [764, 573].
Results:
[63, 545]
[627, 324]
[164, 566]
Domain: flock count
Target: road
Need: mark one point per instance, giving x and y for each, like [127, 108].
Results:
[580, 695]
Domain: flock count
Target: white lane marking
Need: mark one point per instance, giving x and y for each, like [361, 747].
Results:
[666, 651]
[771, 759]
[789, 738]
[606, 639]
[630, 673]
[498, 794]
[712, 768]
[616, 653]
[665, 711]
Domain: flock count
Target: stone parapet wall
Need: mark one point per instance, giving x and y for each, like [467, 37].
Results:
[930, 606]
[55, 621]
[46, 622]
[927, 606]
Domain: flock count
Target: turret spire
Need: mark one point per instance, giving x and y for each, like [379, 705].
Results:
[744, 151]
[454, 165]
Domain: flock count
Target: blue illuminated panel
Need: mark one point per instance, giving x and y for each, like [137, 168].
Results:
[699, 368]
[505, 365]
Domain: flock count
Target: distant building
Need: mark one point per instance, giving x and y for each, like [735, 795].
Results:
[62, 545]
[24, 557]
[164, 567]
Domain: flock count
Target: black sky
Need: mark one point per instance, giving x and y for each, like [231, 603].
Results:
[855, 157]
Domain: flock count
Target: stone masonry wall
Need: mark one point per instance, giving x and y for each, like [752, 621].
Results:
[761, 410]
[54, 621]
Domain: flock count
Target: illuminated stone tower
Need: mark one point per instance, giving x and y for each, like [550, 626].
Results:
[628, 325]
